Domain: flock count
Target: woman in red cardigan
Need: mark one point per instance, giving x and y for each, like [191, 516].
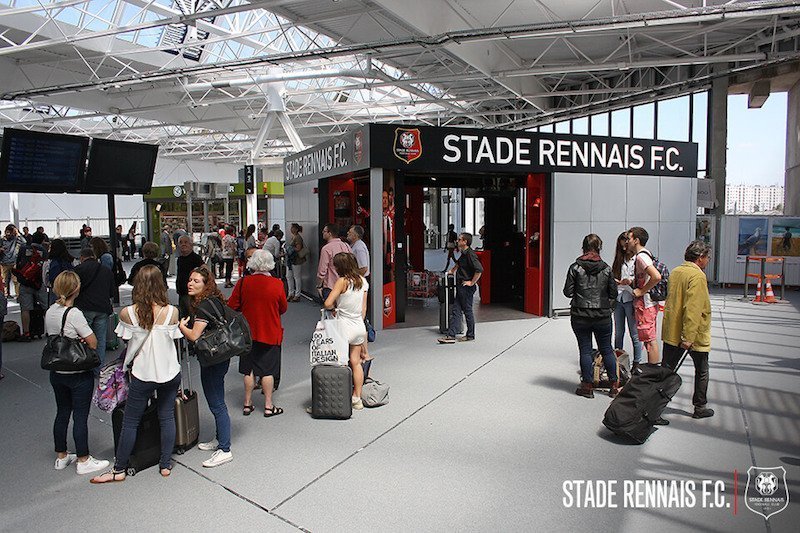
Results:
[260, 298]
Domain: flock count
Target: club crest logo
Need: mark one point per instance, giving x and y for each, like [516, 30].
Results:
[177, 191]
[358, 146]
[767, 492]
[407, 144]
[387, 304]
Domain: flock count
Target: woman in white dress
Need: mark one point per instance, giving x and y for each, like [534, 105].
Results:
[349, 298]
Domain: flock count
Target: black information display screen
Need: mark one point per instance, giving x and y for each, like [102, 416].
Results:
[33, 161]
[118, 167]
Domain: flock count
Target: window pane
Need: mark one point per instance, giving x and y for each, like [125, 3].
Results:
[700, 128]
[643, 121]
[562, 127]
[621, 123]
[546, 128]
[600, 124]
[580, 126]
[673, 119]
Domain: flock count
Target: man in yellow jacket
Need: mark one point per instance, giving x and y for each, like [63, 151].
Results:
[687, 321]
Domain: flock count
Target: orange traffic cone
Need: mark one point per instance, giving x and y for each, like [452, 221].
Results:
[769, 296]
[758, 292]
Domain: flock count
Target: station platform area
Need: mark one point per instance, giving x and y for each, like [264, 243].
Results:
[478, 436]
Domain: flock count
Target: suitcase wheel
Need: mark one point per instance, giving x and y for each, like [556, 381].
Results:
[130, 471]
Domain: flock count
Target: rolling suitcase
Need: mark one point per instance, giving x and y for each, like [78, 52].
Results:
[187, 415]
[147, 450]
[37, 321]
[331, 390]
[642, 401]
[447, 295]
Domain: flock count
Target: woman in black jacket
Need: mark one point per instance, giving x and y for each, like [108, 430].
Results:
[593, 290]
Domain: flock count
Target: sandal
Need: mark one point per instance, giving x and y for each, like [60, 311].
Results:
[113, 479]
[274, 411]
[247, 409]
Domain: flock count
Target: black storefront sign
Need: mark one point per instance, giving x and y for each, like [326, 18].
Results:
[430, 149]
[346, 153]
[455, 149]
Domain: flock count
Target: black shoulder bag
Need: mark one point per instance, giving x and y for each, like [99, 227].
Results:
[65, 354]
[228, 337]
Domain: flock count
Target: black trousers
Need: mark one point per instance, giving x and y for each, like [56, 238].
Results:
[671, 356]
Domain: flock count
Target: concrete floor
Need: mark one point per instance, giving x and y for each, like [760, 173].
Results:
[477, 437]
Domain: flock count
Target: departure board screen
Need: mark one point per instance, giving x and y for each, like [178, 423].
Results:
[33, 161]
[119, 167]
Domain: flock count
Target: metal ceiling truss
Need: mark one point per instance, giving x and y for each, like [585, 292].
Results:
[214, 107]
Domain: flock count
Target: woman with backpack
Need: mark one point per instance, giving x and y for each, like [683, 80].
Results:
[102, 253]
[591, 286]
[150, 326]
[208, 302]
[72, 390]
[623, 270]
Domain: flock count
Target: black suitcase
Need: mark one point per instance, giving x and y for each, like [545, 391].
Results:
[331, 392]
[187, 414]
[37, 322]
[147, 450]
[642, 401]
[447, 295]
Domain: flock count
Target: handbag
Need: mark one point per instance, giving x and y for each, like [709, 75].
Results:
[370, 330]
[65, 354]
[228, 337]
[329, 344]
[374, 393]
[112, 387]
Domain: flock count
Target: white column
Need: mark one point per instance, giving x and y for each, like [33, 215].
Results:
[791, 204]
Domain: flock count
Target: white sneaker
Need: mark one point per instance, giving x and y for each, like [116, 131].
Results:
[218, 458]
[209, 446]
[61, 464]
[91, 465]
[357, 404]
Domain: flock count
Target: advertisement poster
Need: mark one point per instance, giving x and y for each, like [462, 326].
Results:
[704, 229]
[389, 238]
[752, 237]
[785, 237]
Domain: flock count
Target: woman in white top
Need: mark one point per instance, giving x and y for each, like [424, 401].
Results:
[73, 390]
[349, 297]
[150, 326]
[623, 312]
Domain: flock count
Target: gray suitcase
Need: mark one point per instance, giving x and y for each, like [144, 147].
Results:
[331, 392]
[187, 415]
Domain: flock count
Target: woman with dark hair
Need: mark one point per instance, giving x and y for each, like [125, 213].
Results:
[623, 312]
[250, 237]
[262, 301]
[150, 326]
[294, 276]
[207, 302]
[59, 261]
[102, 253]
[591, 286]
[349, 298]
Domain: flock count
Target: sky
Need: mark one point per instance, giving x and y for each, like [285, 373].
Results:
[757, 141]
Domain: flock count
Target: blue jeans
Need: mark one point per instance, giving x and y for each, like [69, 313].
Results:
[213, 380]
[624, 313]
[73, 397]
[138, 394]
[602, 333]
[98, 321]
[462, 305]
